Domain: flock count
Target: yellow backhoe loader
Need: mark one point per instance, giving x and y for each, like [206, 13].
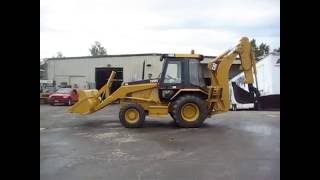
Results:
[179, 91]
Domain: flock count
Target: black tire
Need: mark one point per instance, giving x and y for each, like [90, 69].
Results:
[195, 100]
[171, 115]
[174, 121]
[137, 123]
[52, 104]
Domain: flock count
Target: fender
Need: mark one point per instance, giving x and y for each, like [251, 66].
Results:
[188, 90]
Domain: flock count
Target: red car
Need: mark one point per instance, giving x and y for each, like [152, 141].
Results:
[67, 96]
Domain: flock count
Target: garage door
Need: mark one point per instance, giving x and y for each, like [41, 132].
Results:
[102, 75]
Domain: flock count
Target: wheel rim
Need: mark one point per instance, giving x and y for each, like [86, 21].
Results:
[132, 116]
[190, 112]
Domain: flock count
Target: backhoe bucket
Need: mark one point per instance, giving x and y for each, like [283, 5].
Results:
[88, 100]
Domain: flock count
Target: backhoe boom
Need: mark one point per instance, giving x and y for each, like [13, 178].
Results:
[219, 68]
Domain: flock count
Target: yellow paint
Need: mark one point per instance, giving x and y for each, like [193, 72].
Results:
[190, 112]
[196, 56]
[105, 90]
[247, 59]
[219, 96]
[90, 100]
[147, 94]
[156, 111]
[87, 101]
[132, 116]
[149, 100]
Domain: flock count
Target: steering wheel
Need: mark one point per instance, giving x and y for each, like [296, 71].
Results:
[170, 77]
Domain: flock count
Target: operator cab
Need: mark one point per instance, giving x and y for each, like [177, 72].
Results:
[180, 71]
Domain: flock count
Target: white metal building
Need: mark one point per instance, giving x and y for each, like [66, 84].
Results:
[82, 71]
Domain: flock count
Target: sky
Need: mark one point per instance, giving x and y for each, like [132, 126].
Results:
[155, 26]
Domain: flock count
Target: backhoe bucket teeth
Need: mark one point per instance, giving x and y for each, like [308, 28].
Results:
[88, 100]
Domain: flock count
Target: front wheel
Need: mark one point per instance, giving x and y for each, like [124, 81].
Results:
[189, 111]
[174, 121]
[132, 116]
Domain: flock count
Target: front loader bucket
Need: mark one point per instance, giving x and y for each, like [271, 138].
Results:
[88, 100]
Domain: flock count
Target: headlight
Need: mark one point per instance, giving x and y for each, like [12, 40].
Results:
[65, 97]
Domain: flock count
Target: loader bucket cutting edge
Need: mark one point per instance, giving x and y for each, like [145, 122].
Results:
[88, 100]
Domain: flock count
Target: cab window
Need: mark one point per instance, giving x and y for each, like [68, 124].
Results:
[173, 73]
[195, 73]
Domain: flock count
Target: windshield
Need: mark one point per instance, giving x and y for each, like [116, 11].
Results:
[173, 72]
[64, 90]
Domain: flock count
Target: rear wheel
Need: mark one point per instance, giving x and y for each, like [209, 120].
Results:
[171, 115]
[132, 116]
[189, 111]
[174, 121]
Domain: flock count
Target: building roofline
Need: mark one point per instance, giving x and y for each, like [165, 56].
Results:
[102, 56]
[117, 55]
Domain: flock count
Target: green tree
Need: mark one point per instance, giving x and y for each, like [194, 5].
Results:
[255, 48]
[59, 55]
[261, 50]
[97, 49]
[276, 50]
[264, 48]
[253, 44]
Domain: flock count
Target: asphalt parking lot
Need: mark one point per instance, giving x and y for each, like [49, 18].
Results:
[239, 145]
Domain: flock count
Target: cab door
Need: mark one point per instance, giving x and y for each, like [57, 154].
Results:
[172, 78]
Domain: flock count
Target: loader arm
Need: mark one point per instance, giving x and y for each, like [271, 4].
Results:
[105, 90]
[122, 93]
[91, 101]
[218, 95]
